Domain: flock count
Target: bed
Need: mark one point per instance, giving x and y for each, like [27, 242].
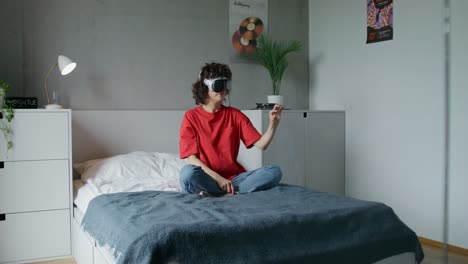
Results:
[147, 220]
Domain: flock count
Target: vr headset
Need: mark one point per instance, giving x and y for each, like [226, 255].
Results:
[218, 85]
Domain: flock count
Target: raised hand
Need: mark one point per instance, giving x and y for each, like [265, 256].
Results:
[275, 115]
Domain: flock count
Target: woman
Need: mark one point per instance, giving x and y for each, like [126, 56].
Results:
[210, 136]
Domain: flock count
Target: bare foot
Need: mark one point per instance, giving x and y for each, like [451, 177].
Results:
[207, 194]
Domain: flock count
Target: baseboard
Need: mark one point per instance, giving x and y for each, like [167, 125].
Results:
[451, 248]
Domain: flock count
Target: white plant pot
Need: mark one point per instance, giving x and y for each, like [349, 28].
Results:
[275, 99]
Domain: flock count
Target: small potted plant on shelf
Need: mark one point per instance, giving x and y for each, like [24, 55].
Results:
[272, 55]
[6, 115]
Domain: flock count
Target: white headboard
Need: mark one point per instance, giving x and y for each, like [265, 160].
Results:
[98, 133]
[103, 133]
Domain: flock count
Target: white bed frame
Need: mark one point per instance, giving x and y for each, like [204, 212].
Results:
[97, 134]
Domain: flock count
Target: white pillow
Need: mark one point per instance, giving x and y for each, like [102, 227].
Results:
[135, 171]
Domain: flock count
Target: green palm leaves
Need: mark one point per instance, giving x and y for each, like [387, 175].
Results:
[273, 56]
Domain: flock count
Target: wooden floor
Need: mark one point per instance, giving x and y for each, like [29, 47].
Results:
[58, 261]
[432, 255]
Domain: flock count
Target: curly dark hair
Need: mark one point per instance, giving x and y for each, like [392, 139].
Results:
[210, 70]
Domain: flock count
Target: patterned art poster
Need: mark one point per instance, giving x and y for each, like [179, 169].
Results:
[379, 20]
[248, 19]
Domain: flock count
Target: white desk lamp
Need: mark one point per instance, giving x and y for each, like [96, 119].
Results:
[65, 66]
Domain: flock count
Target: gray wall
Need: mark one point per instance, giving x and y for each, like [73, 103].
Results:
[145, 54]
[393, 94]
[11, 45]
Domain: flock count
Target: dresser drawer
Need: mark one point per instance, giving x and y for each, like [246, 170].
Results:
[28, 236]
[39, 136]
[34, 185]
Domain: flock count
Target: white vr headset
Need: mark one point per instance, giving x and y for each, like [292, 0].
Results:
[218, 85]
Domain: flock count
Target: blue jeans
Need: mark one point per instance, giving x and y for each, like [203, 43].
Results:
[194, 180]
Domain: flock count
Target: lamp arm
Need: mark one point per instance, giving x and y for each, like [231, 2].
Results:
[45, 82]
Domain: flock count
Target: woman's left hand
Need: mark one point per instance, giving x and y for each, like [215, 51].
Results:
[275, 115]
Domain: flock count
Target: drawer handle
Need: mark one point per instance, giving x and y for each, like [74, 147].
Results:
[2, 165]
[2, 217]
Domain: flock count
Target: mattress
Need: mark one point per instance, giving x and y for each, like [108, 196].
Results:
[82, 195]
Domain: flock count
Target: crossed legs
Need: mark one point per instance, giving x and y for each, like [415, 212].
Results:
[194, 180]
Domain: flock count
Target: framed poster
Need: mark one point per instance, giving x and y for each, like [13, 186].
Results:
[248, 19]
[379, 20]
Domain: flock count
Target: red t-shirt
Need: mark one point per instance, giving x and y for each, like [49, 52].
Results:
[215, 138]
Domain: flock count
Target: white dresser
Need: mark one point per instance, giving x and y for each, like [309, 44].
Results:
[35, 187]
[309, 147]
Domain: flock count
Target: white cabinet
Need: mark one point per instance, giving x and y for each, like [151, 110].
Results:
[309, 146]
[35, 187]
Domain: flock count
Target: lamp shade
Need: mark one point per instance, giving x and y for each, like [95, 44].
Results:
[65, 65]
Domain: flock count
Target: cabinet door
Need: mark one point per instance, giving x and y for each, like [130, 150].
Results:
[38, 136]
[287, 149]
[35, 235]
[34, 185]
[326, 151]
[252, 158]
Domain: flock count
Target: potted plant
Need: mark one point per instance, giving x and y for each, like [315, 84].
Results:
[6, 115]
[272, 55]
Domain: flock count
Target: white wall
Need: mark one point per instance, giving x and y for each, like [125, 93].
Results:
[458, 200]
[393, 96]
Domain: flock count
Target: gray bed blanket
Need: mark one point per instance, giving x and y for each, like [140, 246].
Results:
[287, 224]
